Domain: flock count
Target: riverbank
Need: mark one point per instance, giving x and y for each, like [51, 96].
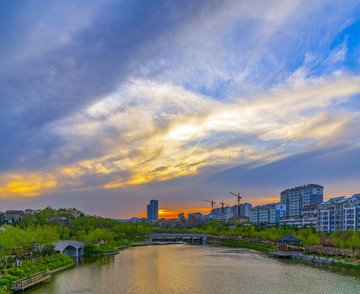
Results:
[104, 254]
[61, 268]
[331, 261]
[242, 244]
[48, 265]
[99, 250]
[305, 257]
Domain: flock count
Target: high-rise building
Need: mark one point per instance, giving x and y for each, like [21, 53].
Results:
[297, 198]
[152, 210]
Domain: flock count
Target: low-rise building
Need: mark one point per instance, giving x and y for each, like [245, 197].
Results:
[240, 219]
[13, 215]
[309, 215]
[308, 218]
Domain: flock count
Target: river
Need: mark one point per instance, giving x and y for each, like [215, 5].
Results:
[183, 268]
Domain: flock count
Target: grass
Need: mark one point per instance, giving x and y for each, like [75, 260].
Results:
[245, 244]
[91, 249]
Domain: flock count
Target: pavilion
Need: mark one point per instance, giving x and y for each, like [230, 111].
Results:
[288, 246]
[289, 243]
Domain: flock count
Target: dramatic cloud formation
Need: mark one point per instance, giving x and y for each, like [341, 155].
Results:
[107, 105]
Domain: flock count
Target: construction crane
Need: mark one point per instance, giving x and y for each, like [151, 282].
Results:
[222, 206]
[239, 198]
[212, 203]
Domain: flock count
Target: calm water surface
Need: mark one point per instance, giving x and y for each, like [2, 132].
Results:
[198, 269]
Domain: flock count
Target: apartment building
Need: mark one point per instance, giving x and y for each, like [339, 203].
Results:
[339, 214]
[307, 218]
[245, 209]
[297, 198]
[267, 213]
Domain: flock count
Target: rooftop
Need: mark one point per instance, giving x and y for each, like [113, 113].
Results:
[289, 239]
[302, 187]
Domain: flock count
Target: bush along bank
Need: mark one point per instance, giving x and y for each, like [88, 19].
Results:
[98, 250]
[122, 243]
[240, 244]
[29, 268]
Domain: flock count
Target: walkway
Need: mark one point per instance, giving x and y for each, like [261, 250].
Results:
[22, 284]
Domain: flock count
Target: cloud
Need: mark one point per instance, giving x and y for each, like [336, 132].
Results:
[26, 185]
[117, 94]
[147, 131]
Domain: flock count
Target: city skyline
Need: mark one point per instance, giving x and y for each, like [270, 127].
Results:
[105, 106]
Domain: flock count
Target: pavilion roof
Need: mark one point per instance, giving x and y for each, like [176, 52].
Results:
[289, 239]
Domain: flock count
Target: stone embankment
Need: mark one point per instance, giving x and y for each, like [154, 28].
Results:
[330, 260]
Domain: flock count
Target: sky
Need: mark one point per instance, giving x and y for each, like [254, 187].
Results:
[105, 105]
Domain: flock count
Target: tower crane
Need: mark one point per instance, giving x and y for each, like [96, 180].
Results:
[211, 201]
[222, 206]
[239, 198]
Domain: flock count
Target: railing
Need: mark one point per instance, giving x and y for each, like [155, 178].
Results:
[33, 279]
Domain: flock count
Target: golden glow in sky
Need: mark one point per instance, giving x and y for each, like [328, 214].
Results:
[173, 213]
[26, 185]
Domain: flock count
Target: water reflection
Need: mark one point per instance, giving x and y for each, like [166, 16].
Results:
[198, 269]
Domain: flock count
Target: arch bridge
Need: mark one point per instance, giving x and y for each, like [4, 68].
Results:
[70, 248]
[188, 238]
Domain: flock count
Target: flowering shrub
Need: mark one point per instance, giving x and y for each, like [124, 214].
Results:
[329, 250]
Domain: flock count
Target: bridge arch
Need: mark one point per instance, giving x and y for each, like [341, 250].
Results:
[70, 248]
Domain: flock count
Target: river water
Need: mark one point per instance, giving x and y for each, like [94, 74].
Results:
[181, 268]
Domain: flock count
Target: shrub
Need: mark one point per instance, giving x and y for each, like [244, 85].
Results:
[47, 263]
[5, 282]
[91, 249]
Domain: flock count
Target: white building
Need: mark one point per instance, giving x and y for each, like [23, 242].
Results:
[297, 198]
[223, 213]
[268, 213]
[308, 218]
[244, 209]
[339, 214]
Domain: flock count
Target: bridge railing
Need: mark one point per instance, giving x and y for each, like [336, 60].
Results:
[23, 282]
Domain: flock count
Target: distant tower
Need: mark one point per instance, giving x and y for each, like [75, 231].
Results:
[152, 210]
